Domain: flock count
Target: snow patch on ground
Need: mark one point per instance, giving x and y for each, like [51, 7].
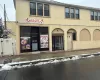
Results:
[40, 62]
[6, 67]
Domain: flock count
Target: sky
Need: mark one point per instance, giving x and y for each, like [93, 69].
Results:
[11, 10]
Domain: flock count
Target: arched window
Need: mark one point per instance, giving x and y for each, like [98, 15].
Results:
[96, 34]
[85, 35]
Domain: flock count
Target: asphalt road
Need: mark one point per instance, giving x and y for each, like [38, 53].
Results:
[83, 69]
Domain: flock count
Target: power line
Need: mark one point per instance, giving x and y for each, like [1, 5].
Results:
[1, 7]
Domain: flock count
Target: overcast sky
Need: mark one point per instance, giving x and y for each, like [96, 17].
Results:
[11, 11]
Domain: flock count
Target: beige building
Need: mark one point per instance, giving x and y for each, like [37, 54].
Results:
[43, 25]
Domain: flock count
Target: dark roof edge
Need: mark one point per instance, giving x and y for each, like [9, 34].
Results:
[65, 4]
[62, 4]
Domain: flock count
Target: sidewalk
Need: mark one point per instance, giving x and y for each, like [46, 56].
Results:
[28, 56]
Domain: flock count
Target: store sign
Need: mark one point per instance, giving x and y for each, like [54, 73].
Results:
[36, 21]
[44, 41]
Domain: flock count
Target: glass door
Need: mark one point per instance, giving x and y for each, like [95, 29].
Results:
[34, 43]
[35, 38]
[57, 43]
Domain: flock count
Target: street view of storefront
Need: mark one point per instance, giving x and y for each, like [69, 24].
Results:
[34, 38]
[43, 25]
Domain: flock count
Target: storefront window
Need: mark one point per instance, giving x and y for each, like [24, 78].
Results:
[44, 37]
[34, 39]
[25, 38]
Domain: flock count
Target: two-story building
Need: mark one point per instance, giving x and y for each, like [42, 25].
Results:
[43, 25]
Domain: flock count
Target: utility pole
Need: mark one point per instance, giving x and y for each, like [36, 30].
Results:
[5, 17]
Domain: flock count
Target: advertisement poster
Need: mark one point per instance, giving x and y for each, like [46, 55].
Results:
[44, 41]
[25, 43]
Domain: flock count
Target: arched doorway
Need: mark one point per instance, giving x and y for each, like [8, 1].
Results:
[71, 36]
[57, 39]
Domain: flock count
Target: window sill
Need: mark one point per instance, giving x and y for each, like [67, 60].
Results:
[74, 40]
[40, 16]
[95, 20]
[72, 18]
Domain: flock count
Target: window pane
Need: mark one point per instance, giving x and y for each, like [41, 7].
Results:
[67, 10]
[99, 16]
[40, 9]
[96, 15]
[25, 39]
[33, 8]
[43, 30]
[25, 31]
[74, 36]
[72, 13]
[92, 15]
[67, 13]
[77, 13]
[71, 10]
[77, 16]
[46, 10]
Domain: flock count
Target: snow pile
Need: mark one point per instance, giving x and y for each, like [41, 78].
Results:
[65, 59]
[6, 67]
[40, 62]
[90, 56]
[75, 57]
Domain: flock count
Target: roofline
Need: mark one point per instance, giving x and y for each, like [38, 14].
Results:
[62, 4]
[65, 4]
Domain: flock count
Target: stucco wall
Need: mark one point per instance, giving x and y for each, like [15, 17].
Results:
[12, 26]
[57, 15]
[77, 45]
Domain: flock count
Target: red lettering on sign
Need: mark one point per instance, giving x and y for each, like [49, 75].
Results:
[38, 21]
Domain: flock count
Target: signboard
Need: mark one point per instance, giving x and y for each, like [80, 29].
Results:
[35, 21]
[25, 43]
[44, 41]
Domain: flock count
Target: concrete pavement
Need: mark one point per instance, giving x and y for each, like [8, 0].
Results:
[29, 56]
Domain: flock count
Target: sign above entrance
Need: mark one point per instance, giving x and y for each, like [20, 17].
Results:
[44, 41]
[35, 21]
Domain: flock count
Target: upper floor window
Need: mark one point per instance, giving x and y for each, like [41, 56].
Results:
[33, 8]
[39, 9]
[72, 13]
[99, 16]
[46, 10]
[92, 15]
[96, 15]
[77, 13]
[67, 12]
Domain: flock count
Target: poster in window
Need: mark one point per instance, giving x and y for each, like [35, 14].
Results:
[25, 43]
[44, 41]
